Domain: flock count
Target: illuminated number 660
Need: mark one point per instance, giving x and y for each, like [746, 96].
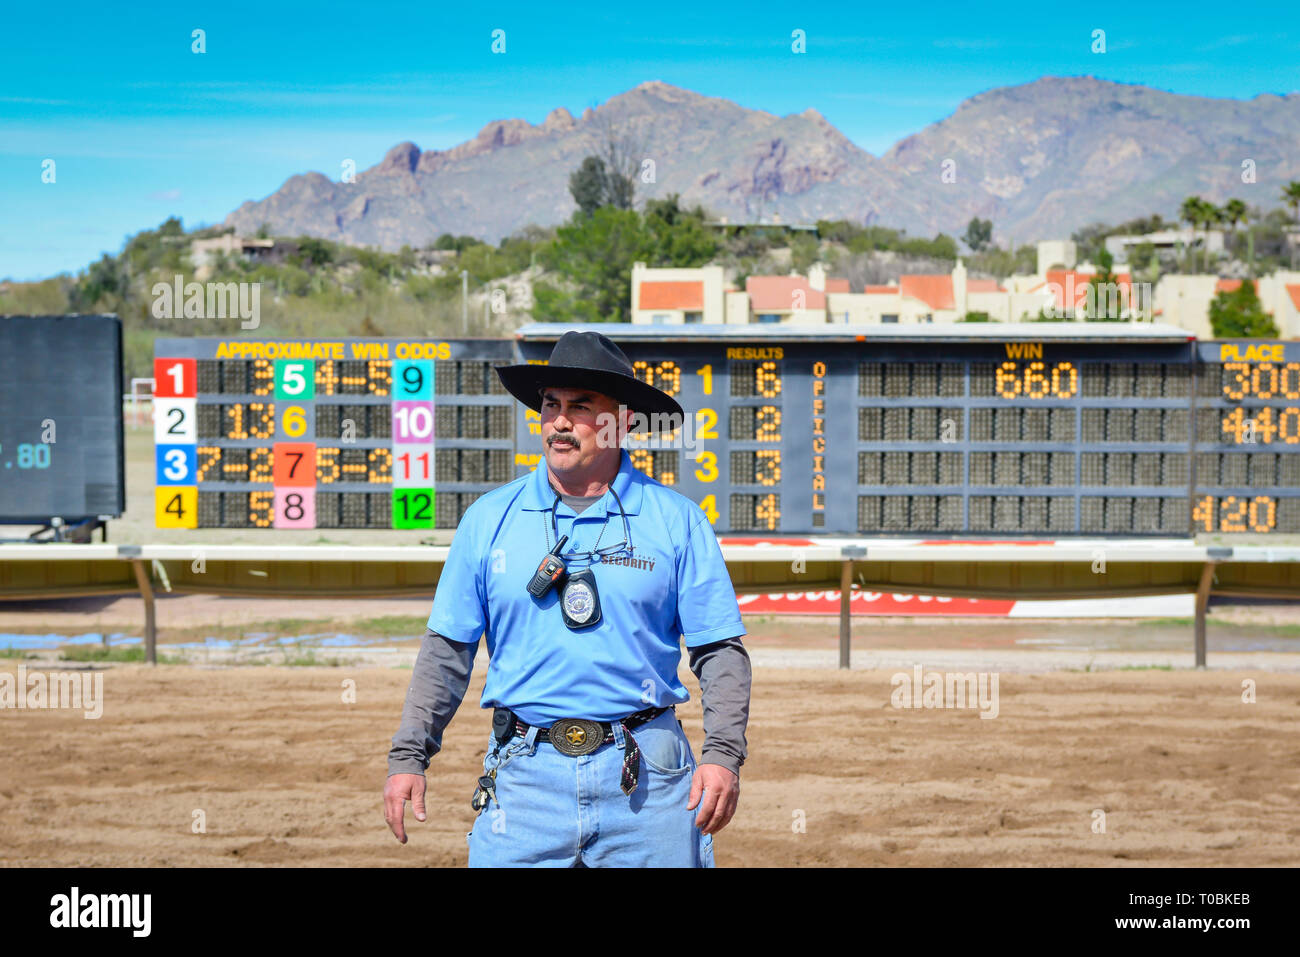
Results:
[1034, 383]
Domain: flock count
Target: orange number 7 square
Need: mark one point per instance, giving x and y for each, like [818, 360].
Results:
[294, 464]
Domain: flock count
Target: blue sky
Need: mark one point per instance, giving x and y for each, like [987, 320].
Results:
[142, 128]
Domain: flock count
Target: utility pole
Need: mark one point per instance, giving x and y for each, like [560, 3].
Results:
[464, 301]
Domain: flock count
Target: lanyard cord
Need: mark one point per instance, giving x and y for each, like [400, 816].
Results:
[627, 531]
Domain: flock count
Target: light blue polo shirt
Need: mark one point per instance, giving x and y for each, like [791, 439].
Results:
[674, 587]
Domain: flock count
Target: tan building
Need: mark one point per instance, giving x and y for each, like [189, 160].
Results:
[1184, 301]
[1166, 240]
[670, 296]
[677, 296]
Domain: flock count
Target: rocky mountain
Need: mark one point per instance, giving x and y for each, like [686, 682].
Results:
[1040, 160]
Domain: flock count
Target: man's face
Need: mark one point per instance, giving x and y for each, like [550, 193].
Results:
[579, 427]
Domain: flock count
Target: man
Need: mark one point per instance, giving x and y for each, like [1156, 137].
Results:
[585, 576]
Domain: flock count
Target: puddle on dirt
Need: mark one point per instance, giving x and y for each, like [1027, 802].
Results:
[50, 642]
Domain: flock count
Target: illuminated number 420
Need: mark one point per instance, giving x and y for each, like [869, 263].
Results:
[1258, 514]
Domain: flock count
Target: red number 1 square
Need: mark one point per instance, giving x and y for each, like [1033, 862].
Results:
[175, 378]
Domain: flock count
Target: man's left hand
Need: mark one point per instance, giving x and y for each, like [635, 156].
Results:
[721, 792]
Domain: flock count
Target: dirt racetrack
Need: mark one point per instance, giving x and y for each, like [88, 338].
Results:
[286, 773]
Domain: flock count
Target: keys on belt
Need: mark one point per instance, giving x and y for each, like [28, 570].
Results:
[485, 792]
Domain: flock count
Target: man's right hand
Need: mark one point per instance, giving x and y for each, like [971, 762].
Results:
[400, 789]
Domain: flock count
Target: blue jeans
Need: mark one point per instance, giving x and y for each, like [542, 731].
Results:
[553, 810]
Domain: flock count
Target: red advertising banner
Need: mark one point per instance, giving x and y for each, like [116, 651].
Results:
[870, 603]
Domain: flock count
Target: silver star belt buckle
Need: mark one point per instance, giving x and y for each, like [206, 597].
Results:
[576, 736]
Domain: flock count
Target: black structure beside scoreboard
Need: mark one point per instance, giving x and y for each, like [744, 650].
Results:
[61, 448]
[1038, 430]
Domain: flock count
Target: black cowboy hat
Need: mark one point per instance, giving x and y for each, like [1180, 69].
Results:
[587, 360]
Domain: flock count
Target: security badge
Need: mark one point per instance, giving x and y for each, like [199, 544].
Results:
[579, 600]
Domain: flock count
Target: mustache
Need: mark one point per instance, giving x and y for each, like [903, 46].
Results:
[570, 437]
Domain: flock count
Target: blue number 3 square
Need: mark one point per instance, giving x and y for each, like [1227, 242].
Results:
[176, 464]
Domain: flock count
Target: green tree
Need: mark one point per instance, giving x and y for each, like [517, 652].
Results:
[589, 185]
[1291, 197]
[594, 256]
[941, 247]
[1142, 256]
[312, 252]
[1199, 214]
[979, 233]
[1234, 213]
[837, 230]
[1105, 302]
[458, 243]
[1192, 211]
[103, 279]
[681, 240]
[1240, 315]
[803, 253]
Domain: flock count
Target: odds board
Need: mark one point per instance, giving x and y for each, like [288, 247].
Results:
[351, 433]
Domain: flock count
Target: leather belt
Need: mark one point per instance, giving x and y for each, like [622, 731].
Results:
[578, 736]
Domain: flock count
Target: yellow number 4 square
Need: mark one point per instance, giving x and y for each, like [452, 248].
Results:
[176, 506]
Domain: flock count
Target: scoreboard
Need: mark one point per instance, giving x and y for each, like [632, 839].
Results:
[61, 451]
[1038, 430]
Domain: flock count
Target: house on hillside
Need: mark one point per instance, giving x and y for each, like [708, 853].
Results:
[1061, 288]
[204, 252]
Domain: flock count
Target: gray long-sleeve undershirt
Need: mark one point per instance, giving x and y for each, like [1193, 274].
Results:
[441, 678]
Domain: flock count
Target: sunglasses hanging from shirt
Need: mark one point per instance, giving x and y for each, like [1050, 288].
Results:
[579, 597]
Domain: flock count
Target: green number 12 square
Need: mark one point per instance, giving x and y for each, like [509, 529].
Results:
[413, 507]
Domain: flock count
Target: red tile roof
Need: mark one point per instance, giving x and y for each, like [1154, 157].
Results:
[934, 291]
[1227, 285]
[1065, 283]
[671, 295]
[837, 285]
[982, 285]
[1293, 290]
[777, 293]
[880, 290]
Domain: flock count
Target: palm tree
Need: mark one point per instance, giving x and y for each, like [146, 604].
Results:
[1197, 212]
[1291, 197]
[1234, 212]
[1191, 211]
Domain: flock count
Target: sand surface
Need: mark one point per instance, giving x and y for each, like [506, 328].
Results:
[285, 772]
